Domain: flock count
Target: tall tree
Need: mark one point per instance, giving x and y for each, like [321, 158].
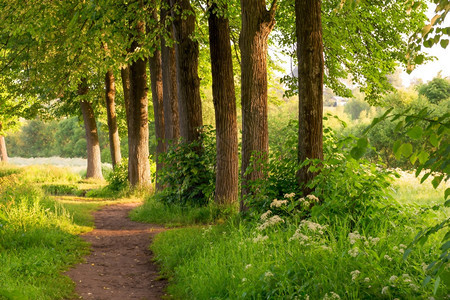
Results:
[3, 152]
[188, 82]
[157, 97]
[138, 152]
[257, 23]
[169, 78]
[110, 96]
[310, 84]
[227, 166]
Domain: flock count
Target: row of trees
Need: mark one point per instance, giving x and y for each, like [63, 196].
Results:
[60, 56]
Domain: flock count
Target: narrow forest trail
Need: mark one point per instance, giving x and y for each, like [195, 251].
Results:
[120, 265]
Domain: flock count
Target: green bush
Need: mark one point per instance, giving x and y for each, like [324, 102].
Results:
[189, 171]
[118, 178]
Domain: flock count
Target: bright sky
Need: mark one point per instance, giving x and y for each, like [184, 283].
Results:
[442, 63]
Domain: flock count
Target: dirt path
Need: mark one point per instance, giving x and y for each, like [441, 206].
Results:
[120, 265]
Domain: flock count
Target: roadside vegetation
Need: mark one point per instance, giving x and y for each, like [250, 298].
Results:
[41, 216]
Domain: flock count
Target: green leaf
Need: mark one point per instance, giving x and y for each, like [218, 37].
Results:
[445, 246]
[436, 285]
[447, 193]
[396, 148]
[436, 181]
[406, 149]
[357, 152]
[415, 133]
[434, 140]
[407, 252]
[444, 43]
[423, 156]
[362, 143]
[426, 280]
[419, 59]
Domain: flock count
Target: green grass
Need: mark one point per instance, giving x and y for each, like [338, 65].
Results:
[154, 211]
[235, 260]
[39, 233]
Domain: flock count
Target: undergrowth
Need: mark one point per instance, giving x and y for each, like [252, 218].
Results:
[38, 236]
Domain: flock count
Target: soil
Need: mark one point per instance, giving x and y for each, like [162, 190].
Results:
[120, 265]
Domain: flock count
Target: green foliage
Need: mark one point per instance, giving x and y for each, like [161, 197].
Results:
[37, 242]
[290, 260]
[436, 90]
[118, 178]
[346, 185]
[61, 189]
[189, 171]
[171, 215]
[379, 47]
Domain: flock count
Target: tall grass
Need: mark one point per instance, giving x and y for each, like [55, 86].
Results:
[38, 238]
[292, 260]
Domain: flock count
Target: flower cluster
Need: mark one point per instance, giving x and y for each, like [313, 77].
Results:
[278, 203]
[270, 222]
[260, 238]
[355, 236]
[313, 226]
[332, 296]
[355, 274]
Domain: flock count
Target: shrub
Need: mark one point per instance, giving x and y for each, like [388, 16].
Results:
[189, 171]
[118, 178]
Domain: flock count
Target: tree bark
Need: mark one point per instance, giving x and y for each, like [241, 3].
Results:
[157, 97]
[169, 78]
[188, 82]
[3, 152]
[310, 83]
[227, 166]
[94, 163]
[138, 152]
[114, 141]
[257, 23]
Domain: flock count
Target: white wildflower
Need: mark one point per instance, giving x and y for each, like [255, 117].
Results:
[265, 215]
[395, 248]
[278, 203]
[244, 279]
[325, 247]
[353, 252]
[271, 221]
[299, 236]
[313, 226]
[367, 279]
[354, 236]
[355, 274]
[333, 295]
[248, 266]
[268, 274]
[366, 243]
[387, 257]
[313, 198]
[373, 240]
[424, 267]
[260, 238]
[401, 250]
[403, 246]
[384, 290]
[413, 286]
[393, 278]
[289, 196]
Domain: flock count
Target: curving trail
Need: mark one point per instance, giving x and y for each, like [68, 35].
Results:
[120, 265]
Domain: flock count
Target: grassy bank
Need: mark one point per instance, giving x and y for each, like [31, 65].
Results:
[38, 234]
[294, 259]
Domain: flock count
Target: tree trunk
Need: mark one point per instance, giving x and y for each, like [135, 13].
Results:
[138, 156]
[188, 82]
[94, 163]
[110, 95]
[169, 78]
[125, 75]
[310, 85]
[257, 23]
[157, 97]
[227, 166]
[3, 152]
